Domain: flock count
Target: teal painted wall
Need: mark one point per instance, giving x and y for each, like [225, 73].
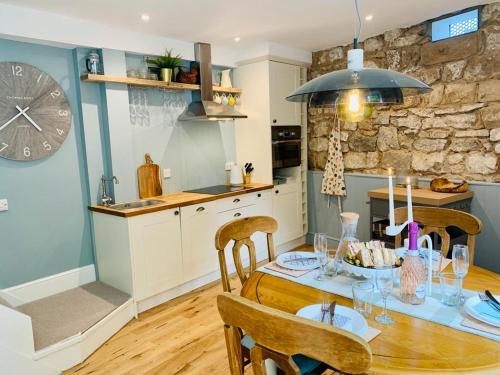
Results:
[196, 152]
[47, 227]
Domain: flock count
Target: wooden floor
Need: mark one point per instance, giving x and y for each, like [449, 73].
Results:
[182, 336]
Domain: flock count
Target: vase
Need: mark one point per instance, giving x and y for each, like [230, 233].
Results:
[166, 74]
[225, 80]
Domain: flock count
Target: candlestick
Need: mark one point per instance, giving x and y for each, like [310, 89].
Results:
[391, 200]
[408, 199]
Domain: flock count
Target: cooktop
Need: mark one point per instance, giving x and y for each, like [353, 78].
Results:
[215, 190]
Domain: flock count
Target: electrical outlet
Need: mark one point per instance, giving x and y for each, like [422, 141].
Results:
[167, 173]
[4, 205]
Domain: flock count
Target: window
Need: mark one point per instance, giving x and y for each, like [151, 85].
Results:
[459, 24]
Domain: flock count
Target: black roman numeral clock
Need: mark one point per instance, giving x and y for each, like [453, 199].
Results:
[35, 116]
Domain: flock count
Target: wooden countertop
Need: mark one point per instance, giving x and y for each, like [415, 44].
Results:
[423, 196]
[178, 199]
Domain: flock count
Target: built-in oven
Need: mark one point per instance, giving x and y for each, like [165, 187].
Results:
[286, 146]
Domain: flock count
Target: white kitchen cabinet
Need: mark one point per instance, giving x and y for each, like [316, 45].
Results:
[156, 250]
[287, 210]
[198, 225]
[284, 79]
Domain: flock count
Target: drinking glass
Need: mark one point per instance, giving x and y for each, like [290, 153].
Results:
[385, 284]
[362, 292]
[321, 251]
[450, 288]
[460, 263]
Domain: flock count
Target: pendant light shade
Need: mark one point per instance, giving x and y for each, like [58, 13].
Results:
[373, 86]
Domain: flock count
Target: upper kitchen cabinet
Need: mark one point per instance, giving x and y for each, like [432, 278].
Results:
[284, 79]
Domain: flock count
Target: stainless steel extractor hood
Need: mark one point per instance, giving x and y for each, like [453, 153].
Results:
[203, 107]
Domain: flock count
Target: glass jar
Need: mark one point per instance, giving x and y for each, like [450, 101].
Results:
[349, 234]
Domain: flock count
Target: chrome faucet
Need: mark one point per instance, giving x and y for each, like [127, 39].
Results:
[107, 200]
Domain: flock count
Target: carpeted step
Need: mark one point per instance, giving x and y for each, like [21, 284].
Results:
[60, 316]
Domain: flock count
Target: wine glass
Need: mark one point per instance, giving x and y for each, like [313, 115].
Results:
[385, 284]
[460, 263]
[321, 251]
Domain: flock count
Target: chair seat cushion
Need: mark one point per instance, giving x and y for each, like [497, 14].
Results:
[305, 364]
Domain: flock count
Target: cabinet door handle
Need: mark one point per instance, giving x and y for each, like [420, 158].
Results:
[176, 212]
[277, 191]
[274, 121]
[200, 209]
[237, 214]
[259, 195]
[236, 200]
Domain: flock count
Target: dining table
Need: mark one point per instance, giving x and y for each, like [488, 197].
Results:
[408, 346]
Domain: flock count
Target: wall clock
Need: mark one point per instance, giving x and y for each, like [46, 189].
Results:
[35, 116]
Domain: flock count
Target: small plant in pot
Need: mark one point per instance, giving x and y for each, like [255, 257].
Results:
[167, 64]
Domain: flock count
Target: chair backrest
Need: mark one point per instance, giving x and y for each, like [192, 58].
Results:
[436, 220]
[279, 335]
[240, 231]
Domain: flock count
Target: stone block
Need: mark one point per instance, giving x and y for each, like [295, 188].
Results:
[318, 144]
[460, 92]
[491, 116]
[387, 138]
[464, 144]
[427, 161]
[397, 159]
[464, 108]
[472, 133]
[455, 159]
[482, 164]
[359, 142]
[454, 70]
[459, 121]
[373, 44]
[489, 91]
[495, 135]
[429, 145]
[450, 49]
[410, 122]
[435, 133]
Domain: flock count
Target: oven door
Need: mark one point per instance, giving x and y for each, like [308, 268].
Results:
[286, 153]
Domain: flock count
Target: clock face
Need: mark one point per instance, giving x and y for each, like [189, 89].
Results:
[35, 116]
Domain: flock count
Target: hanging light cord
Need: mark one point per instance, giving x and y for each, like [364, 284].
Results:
[358, 31]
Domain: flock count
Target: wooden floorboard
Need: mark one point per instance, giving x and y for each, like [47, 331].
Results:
[182, 336]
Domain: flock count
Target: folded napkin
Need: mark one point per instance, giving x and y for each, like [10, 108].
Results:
[371, 333]
[294, 273]
[480, 326]
[483, 308]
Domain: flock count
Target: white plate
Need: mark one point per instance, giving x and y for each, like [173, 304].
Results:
[345, 318]
[296, 263]
[468, 307]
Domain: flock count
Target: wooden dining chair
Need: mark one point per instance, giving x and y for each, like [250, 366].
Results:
[436, 220]
[285, 338]
[240, 231]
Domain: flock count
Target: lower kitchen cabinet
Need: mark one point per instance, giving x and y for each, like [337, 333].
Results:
[287, 210]
[156, 249]
[160, 255]
[198, 225]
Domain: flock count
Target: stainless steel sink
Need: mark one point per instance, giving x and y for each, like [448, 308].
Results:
[136, 204]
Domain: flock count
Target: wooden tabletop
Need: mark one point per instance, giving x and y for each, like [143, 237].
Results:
[422, 195]
[179, 199]
[410, 345]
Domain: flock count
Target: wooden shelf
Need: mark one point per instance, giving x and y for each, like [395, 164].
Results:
[99, 78]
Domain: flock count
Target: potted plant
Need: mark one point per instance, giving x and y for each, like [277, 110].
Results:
[167, 64]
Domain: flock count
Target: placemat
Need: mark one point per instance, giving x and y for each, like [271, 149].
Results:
[432, 310]
[294, 273]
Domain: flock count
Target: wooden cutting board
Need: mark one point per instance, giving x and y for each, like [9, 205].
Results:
[149, 179]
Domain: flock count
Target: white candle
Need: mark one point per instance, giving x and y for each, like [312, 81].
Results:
[408, 199]
[391, 200]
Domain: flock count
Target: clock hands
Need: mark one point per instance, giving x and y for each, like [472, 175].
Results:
[13, 118]
[23, 112]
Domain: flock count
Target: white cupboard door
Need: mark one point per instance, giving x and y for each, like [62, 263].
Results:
[156, 252]
[287, 210]
[198, 223]
[284, 79]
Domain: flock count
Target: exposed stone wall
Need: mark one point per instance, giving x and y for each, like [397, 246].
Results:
[453, 131]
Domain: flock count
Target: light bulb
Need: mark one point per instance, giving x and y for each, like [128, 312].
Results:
[354, 102]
